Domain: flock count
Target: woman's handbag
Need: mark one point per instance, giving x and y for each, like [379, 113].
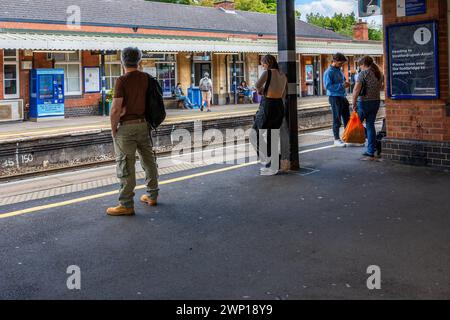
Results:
[261, 119]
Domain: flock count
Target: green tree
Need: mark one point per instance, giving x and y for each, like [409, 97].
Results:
[264, 6]
[342, 24]
[375, 32]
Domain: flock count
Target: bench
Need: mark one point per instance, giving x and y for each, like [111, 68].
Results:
[173, 103]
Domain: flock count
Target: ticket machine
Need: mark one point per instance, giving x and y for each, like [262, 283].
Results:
[46, 94]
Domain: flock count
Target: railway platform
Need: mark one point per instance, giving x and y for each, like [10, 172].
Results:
[18, 131]
[224, 232]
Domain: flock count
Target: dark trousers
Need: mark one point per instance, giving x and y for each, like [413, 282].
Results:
[341, 114]
[367, 110]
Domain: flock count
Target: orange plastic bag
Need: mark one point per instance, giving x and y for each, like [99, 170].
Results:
[354, 133]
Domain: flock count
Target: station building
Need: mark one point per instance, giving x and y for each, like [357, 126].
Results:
[180, 43]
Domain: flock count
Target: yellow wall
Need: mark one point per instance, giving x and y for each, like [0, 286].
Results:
[184, 71]
[251, 68]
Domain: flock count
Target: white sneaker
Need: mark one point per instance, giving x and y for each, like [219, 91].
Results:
[339, 143]
[268, 172]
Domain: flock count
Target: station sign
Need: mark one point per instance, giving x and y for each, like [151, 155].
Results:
[406, 8]
[369, 8]
[412, 53]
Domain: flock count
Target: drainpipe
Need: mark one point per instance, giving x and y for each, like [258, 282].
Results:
[103, 77]
[192, 70]
[227, 81]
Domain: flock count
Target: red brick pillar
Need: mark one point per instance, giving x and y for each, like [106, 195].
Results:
[361, 31]
[418, 131]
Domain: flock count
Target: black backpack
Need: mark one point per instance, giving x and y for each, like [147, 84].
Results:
[155, 112]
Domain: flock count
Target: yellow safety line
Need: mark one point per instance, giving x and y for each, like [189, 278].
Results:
[111, 193]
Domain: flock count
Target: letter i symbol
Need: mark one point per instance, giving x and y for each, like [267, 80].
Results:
[422, 36]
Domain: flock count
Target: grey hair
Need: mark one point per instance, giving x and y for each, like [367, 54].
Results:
[206, 74]
[131, 57]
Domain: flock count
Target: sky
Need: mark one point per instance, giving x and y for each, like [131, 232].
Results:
[330, 7]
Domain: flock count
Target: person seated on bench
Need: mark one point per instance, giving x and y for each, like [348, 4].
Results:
[245, 91]
[180, 96]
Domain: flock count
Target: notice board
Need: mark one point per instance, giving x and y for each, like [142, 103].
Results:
[412, 60]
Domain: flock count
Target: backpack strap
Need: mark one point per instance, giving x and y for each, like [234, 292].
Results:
[267, 85]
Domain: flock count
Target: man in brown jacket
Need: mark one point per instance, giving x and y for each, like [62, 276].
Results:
[131, 133]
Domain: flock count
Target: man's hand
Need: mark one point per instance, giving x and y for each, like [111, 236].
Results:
[355, 107]
[116, 113]
[347, 84]
[114, 132]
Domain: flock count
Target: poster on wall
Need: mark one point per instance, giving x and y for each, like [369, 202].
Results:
[309, 73]
[92, 83]
[412, 53]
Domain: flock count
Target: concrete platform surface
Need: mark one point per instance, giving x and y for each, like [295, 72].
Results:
[236, 235]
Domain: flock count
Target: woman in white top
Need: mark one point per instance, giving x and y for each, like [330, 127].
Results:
[273, 86]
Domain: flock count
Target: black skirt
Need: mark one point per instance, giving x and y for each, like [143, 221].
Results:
[270, 114]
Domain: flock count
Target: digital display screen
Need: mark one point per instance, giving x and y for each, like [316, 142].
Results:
[46, 87]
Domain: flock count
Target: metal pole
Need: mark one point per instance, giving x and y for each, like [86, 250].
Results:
[192, 71]
[103, 77]
[287, 59]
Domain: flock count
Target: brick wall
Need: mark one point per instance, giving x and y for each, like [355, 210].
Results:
[361, 31]
[421, 119]
[419, 130]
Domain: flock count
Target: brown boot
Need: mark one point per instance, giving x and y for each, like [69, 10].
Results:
[120, 211]
[151, 202]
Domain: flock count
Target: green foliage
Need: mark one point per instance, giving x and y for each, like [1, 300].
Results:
[109, 95]
[342, 24]
[264, 6]
[375, 33]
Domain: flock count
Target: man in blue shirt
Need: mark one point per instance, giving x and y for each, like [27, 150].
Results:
[336, 85]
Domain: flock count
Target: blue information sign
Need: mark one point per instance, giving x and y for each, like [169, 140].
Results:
[412, 53]
[415, 7]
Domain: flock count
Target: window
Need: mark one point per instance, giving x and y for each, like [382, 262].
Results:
[112, 72]
[240, 70]
[166, 75]
[11, 74]
[70, 62]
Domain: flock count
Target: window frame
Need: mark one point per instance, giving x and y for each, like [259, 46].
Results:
[175, 64]
[109, 78]
[11, 63]
[67, 63]
[239, 61]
